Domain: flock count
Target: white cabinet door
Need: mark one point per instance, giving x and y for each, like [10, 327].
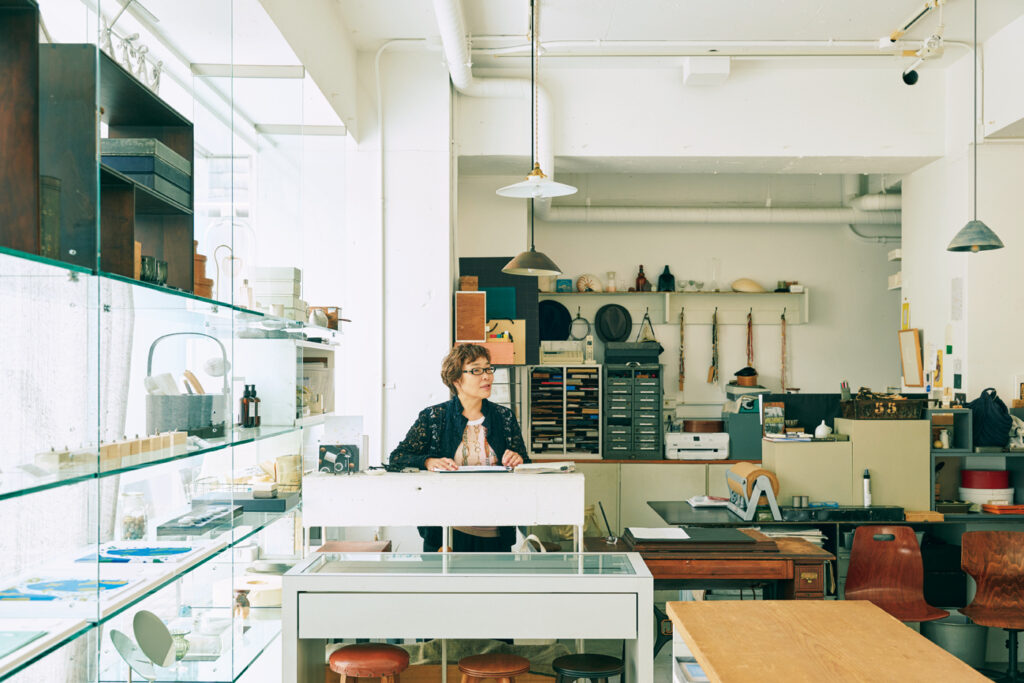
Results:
[642, 482]
[716, 480]
[601, 483]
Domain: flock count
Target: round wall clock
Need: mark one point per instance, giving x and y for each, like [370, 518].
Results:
[588, 283]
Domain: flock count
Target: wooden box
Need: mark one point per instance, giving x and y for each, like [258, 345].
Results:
[883, 408]
[470, 317]
[469, 283]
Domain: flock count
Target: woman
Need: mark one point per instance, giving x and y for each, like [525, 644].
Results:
[467, 430]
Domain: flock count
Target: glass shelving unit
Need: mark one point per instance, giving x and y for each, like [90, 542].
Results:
[121, 396]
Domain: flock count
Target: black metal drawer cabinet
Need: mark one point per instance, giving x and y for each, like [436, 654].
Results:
[632, 414]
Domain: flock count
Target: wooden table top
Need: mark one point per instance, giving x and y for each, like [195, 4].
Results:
[809, 640]
[788, 549]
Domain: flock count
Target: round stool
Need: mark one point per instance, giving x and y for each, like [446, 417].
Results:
[502, 668]
[370, 660]
[591, 667]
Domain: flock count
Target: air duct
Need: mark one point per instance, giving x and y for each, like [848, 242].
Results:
[456, 50]
[716, 215]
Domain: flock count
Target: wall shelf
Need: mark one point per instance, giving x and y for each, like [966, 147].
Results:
[664, 307]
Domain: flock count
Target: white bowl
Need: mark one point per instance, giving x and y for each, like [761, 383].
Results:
[983, 496]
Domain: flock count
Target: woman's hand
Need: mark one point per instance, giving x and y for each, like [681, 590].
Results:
[511, 459]
[434, 464]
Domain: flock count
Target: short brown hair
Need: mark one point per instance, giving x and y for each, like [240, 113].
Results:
[451, 366]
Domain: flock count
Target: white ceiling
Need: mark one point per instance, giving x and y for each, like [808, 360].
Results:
[239, 32]
[374, 21]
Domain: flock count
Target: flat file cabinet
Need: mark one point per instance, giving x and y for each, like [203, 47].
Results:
[632, 421]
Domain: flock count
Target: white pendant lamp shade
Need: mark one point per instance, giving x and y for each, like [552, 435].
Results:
[536, 186]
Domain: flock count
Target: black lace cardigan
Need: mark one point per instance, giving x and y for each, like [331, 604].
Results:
[438, 431]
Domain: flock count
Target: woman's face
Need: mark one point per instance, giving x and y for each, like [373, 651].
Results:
[475, 386]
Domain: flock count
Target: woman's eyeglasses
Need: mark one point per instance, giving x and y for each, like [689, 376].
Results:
[479, 371]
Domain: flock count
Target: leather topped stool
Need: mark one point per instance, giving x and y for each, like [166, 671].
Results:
[591, 667]
[370, 660]
[500, 667]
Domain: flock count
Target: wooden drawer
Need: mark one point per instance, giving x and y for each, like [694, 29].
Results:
[808, 581]
[717, 569]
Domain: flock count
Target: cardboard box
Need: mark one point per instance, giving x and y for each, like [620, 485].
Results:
[469, 283]
[502, 353]
[516, 328]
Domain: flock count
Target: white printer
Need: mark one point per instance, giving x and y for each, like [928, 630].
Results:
[696, 446]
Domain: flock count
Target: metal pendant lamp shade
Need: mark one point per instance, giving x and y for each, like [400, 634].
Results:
[531, 262]
[975, 236]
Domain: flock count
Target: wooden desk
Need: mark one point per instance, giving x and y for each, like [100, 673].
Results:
[798, 568]
[851, 640]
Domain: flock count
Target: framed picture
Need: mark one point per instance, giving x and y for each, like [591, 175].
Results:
[774, 417]
[910, 357]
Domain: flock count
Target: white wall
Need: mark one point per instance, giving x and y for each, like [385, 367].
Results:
[854, 317]
[995, 294]
[1004, 71]
[758, 112]
[937, 202]
[411, 280]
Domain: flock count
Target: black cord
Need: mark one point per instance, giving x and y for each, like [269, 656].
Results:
[974, 111]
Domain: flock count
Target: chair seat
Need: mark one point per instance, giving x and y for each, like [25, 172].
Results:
[997, 617]
[494, 665]
[369, 660]
[588, 666]
[912, 611]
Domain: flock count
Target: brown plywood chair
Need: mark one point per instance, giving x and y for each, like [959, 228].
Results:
[995, 560]
[886, 569]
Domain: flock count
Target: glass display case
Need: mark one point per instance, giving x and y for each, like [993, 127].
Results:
[465, 595]
[500, 564]
[151, 383]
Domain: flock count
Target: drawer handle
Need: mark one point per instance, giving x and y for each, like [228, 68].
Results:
[809, 577]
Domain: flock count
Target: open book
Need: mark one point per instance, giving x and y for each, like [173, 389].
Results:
[546, 467]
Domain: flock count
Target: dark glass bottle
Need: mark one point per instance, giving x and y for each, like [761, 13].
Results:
[666, 281]
[641, 280]
[255, 403]
[243, 416]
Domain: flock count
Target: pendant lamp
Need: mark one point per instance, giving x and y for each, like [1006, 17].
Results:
[975, 236]
[531, 262]
[537, 185]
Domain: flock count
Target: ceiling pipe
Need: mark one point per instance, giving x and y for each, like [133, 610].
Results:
[878, 202]
[710, 215]
[452, 27]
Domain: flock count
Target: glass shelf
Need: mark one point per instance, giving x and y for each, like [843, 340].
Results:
[182, 300]
[245, 526]
[499, 564]
[260, 630]
[28, 480]
[67, 627]
[61, 265]
[59, 632]
[237, 437]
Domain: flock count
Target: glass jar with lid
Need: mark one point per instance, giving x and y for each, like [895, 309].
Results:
[133, 517]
